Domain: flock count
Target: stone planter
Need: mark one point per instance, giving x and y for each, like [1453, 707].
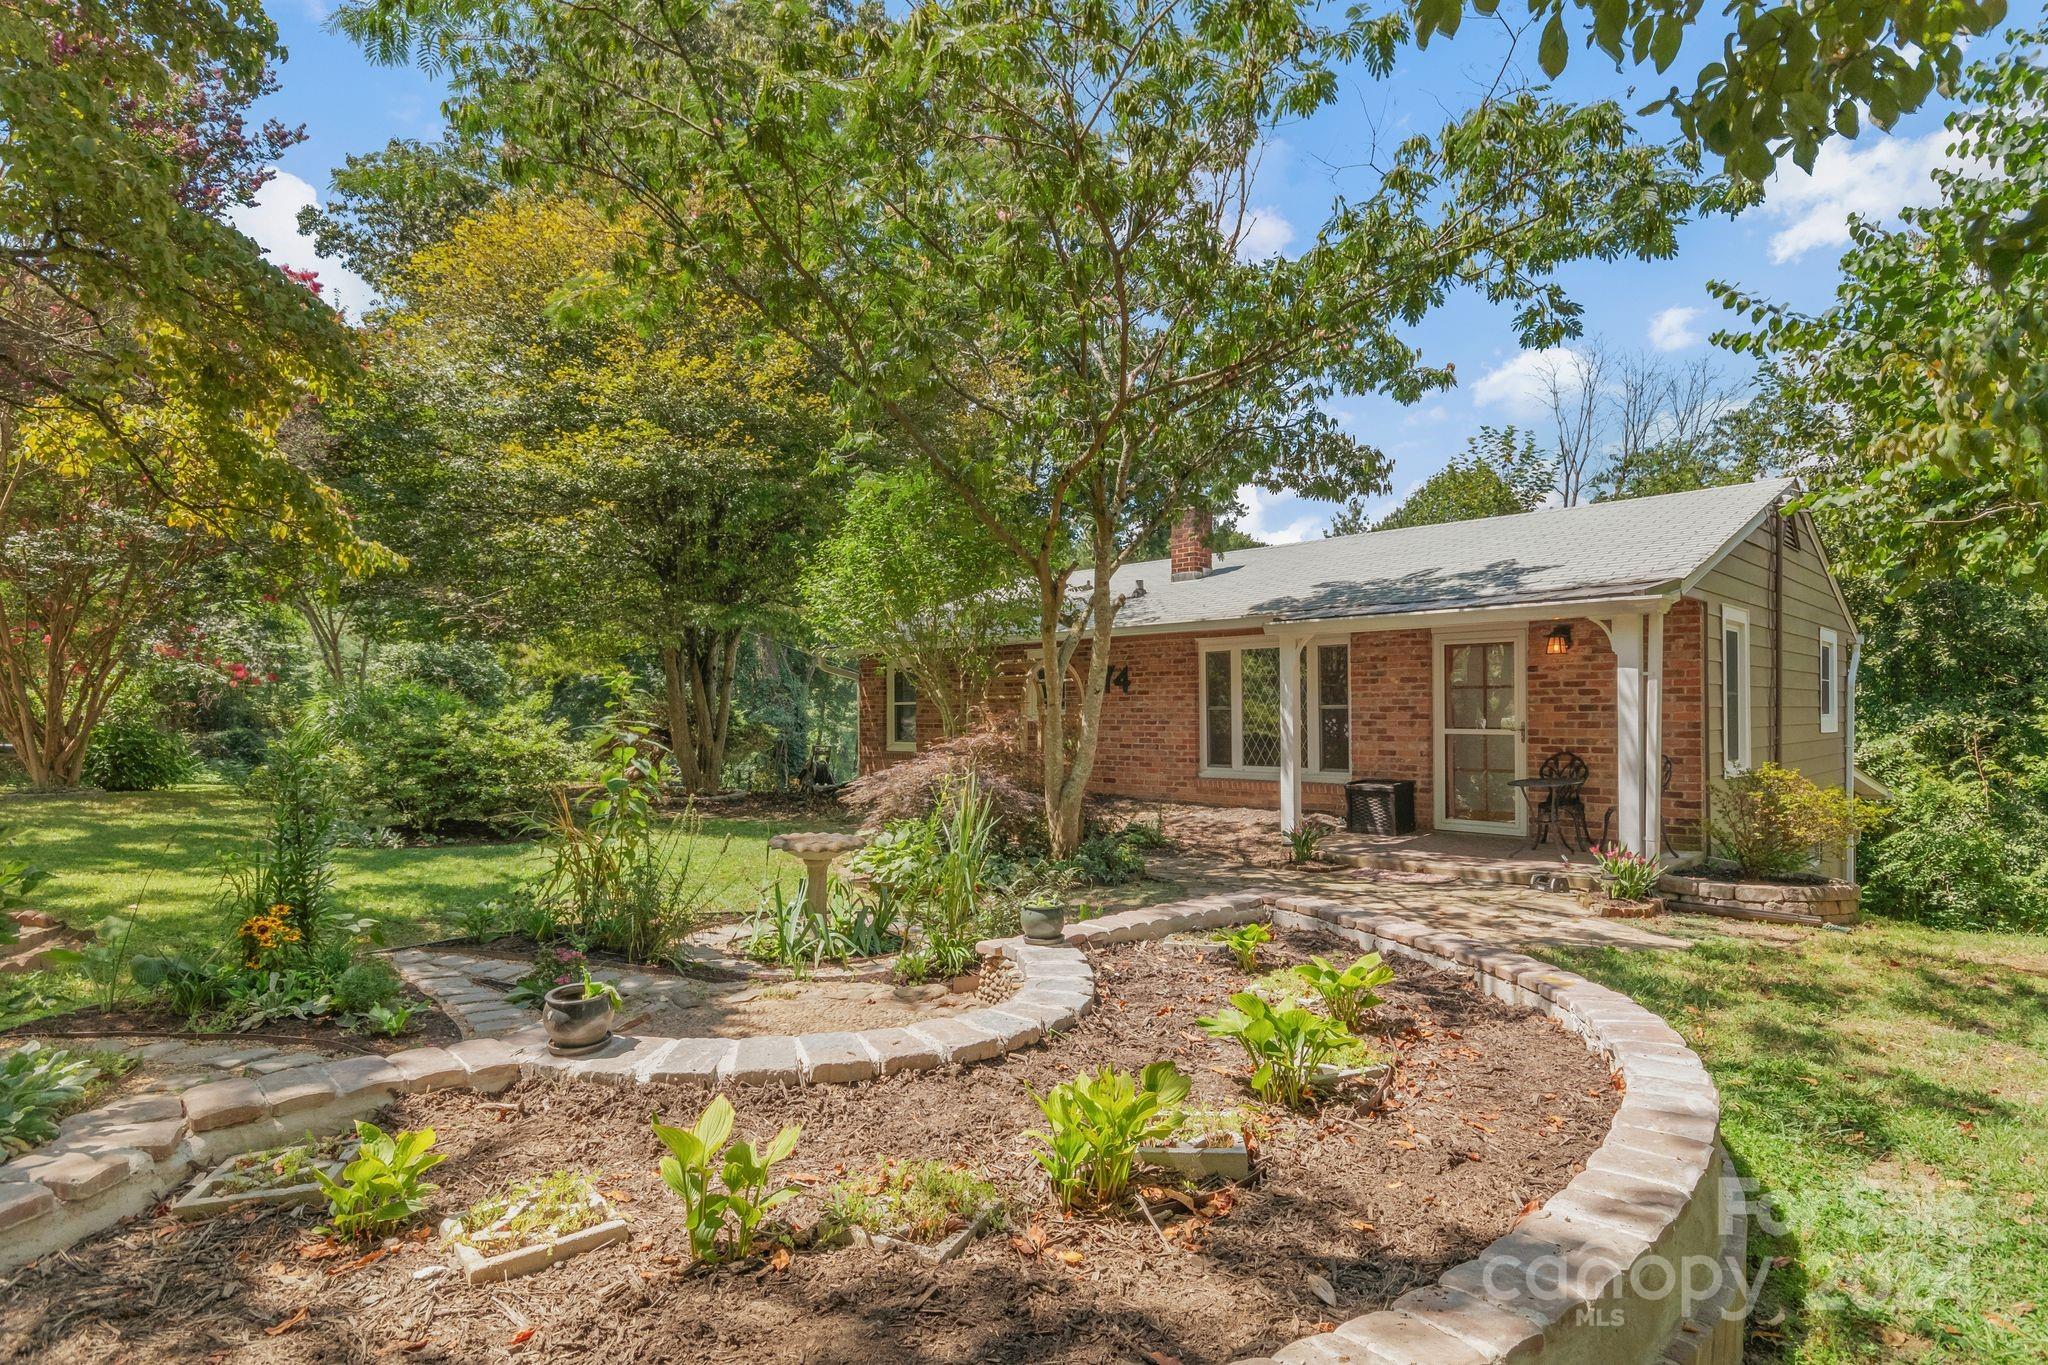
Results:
[576, 1023]
[1785, 902]
[938, 1253]
[478, 1268]
[208, 1199]
[1042, 923]
[1366, 1086]
[1607, 907]
[1223, 1155]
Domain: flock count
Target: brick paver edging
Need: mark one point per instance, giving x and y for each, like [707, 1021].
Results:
[1567, 1279]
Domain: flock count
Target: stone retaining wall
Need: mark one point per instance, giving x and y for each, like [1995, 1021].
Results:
[1573, 1280]
[1783, 902]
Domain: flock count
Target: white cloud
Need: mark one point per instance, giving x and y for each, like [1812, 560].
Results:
[1429, 416]
[1265, 520]
[1518, 385]
[272, 222]
[1673, 330]
[1875, 182]
[1266, 233]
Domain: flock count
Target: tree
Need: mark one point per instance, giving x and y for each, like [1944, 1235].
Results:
[1499, 473]
[912, 578]
[1669, 429]
[1038, 215]
[1933, 361]
[384, 207]
[123, 138]
[92, 560]
[644, 477]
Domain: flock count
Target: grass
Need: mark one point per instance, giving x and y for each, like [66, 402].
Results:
[154, 857]
[1887, 1089]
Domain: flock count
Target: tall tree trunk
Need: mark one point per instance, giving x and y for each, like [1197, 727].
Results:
[697, 675]
[325, 624]
[1066, 773]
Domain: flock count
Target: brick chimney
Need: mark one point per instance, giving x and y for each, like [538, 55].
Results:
[1190, 545]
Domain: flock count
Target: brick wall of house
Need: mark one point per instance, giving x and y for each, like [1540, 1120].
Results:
[1685, 722]
[1151, 736]
[1392, 712]
[1570, 699]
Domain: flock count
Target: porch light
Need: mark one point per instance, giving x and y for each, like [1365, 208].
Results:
[1559, 641]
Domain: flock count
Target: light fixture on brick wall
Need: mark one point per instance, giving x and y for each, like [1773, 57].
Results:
[1559, 641]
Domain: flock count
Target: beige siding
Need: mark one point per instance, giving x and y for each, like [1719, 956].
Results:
[1743, 579]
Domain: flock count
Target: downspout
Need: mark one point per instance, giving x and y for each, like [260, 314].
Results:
[1777, 635]
[1849, 744]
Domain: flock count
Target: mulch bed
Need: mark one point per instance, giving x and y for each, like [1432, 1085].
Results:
[95, 1027]
[1494, 1109]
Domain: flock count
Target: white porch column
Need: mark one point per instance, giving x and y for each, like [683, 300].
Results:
[1653, 737]
[1625, 633]
[1290, 735]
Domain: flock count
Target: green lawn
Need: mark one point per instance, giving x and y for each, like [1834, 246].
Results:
[1888, 1089]
[154, 857]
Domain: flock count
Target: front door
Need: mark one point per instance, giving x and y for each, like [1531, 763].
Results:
[1479, 735]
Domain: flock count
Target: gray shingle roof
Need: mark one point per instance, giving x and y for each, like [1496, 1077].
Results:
[1605, 549]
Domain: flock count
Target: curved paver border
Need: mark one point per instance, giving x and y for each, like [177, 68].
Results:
[1567, 1280]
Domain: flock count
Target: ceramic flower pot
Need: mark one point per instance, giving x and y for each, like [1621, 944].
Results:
[1042, 923]
[575, 1022]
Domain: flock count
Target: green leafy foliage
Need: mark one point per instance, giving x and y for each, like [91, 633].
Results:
[1097, 1123]
[1914, 398]
[1305, 840]
[104, 960]
[1499, 473]
[1775, 822]
[130, 752]
[723, 1185]
[917, 1201]
[417, 758]
[617, 880]
[37, 1084]
[19, 878]
[531, 1212]
[1625, 874]
[1348, 995]
[388, 1020]
[1243, 943]
[1284, 1043]
[784, 931]
[385, 1186]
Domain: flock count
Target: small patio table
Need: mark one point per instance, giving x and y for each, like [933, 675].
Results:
[1541, 793]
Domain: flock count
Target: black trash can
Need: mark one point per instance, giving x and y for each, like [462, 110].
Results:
[1379, 805]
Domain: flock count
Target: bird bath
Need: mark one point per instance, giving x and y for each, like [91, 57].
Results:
[816, 852]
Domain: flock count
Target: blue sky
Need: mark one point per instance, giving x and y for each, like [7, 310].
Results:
[1786, 249]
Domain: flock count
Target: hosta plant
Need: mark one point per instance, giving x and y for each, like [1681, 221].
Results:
[1244, 942]
[36, 1085]
[384, 1187]
[724, 1189]
[1096, 1125]
[1285, 1045]
[1346, 994]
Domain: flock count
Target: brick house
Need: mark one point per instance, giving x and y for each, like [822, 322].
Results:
[1667, 641]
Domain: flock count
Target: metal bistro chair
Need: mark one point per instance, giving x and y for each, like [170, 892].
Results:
[1567, 801]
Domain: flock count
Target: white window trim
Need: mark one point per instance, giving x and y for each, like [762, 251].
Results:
[1831, 681]
[1735, 618]
[1311, 711]
[890, 742]
[1517, 636]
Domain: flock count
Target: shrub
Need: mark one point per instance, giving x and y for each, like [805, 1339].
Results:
[939, 873]
[384, 1187]
[1098, 1123]
[722, 1221]
[1774, 822]
[130, 752]
[1954, 855]
[417, 758]
[1284, 1043]
[1006, 775]
[1348, 994]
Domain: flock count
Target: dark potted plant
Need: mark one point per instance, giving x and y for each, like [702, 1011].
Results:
[1042, 916]
[578, 1016]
